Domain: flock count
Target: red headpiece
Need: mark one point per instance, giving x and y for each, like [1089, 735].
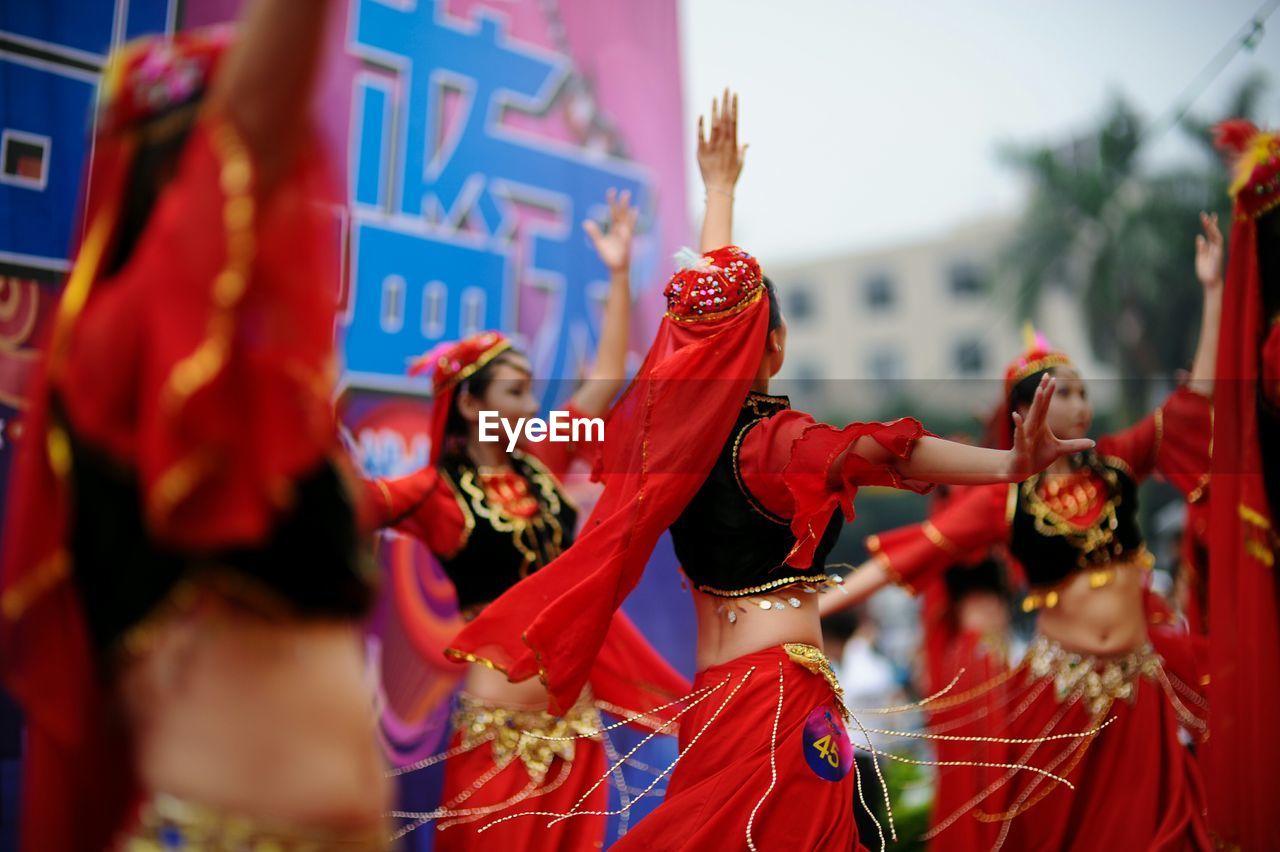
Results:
[1255, 162]
[153, 74]
[717, 283]
[449, 365]
[1038, 356]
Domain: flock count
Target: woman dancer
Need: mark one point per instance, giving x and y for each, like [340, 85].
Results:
[1074, 531]
[181, 590]
[493, 517]
[750, 490]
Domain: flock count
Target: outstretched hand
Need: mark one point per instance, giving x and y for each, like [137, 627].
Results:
[719, 157]
[1035, 447]
[613, 243]
[1209, 253]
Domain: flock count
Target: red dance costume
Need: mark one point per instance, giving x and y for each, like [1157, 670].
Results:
[964, 659]
[1243, 761]
[490, 529]
[1136, 785]
[751, 491]
[180, 431]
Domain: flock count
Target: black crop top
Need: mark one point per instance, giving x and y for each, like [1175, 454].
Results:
[500, 545]
[1050, 549]
[311, 566]
[727, 542]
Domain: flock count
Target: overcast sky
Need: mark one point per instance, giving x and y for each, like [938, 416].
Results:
[878, 122]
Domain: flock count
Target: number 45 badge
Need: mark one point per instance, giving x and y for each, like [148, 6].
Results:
[827, 748]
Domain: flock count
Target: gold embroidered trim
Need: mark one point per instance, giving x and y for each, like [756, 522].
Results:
[1259, 540]
[209, 358]
[164, 818]
[1093, 540]
[742, 485]
[813, 581]
[468, 519]
[1054, 359]
[894, 575]
[811, 658]
[18, 598]
[528, 535]
[507, 728]
[1254, 517]
[1097, 680]
[477, 365]
[738, 308]
[939, 540]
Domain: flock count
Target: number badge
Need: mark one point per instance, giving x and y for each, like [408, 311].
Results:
[827, 748]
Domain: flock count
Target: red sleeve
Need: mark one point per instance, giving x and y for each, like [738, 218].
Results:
[1173, 440]
[917, 554]
[420, 505]
[559, 456]
[792, 466]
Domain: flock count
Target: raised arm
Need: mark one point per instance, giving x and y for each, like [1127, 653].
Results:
[720, 161]
[265, 84]
[936, 460]
[1209, 253]
[614, 247]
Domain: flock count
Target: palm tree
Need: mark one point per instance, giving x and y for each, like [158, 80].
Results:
[1118, 238]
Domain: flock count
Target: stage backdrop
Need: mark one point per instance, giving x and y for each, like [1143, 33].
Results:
[475, 138]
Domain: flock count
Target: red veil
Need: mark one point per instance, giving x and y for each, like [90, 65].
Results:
[1243, 756]
[661, 440]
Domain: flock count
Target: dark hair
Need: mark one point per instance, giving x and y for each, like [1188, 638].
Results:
[775, 310]
[1024, 392]
[456, 427]
[161, 142]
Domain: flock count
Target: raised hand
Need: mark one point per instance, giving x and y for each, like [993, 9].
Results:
[719, 157]
[613, 244]
[1035, 447]
[1209, 253]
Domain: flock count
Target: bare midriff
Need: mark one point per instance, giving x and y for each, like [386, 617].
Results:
[1105, 620]
[266, 718]
[753, 628]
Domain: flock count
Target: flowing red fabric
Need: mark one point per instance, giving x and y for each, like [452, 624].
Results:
[746, 766]
[661, 440]
[1243, 762]
[216, 395]
[1137, 786]
[564, 787]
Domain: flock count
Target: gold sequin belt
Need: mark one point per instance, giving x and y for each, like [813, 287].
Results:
[508, 729]
[169, 823]
[1099, 576]
[808, 657]
[1097, 680]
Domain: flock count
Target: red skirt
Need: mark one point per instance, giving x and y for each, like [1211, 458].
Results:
[1137, 787]
[496, 775]
[766, 761]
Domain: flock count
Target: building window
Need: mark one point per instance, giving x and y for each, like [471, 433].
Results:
[24, 159]
[799, 302]
[885, 365]
[970, 357]
[391, 316]
[965, 281]
[879, 292]
[434, 301]
[473, 307]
